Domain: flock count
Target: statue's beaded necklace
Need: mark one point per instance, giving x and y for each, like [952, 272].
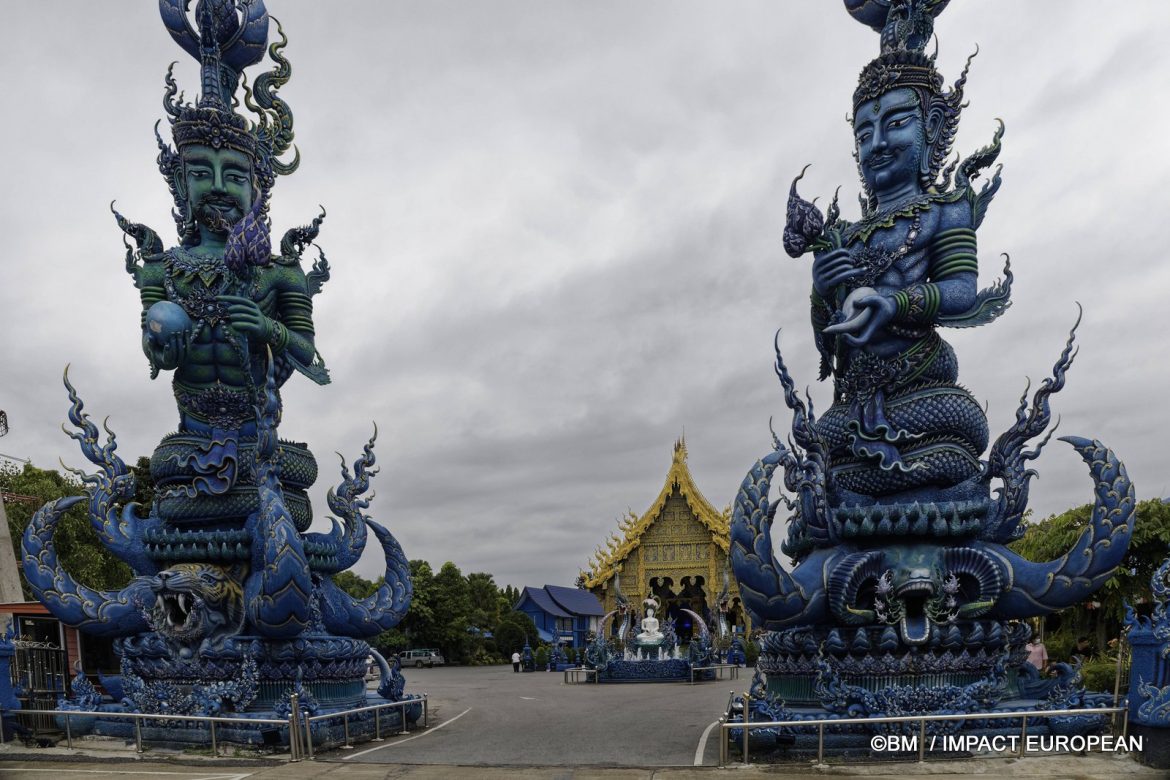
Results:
[883, 218]
[200, 300]
[207, 278]
[874, 262]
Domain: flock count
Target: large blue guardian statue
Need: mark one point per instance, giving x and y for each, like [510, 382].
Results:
[905, 598]
[233, 605]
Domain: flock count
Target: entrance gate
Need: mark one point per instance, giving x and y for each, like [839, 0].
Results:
[39, 678]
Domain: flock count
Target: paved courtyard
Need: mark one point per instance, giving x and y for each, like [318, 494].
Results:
[493, 716]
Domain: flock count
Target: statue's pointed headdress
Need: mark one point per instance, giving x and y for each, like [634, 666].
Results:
[228, 36]
[906, 26]
[903, 61]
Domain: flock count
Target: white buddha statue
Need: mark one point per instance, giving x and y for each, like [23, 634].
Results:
[650, 633]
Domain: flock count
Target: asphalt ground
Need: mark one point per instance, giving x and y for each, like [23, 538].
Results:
[491, 716]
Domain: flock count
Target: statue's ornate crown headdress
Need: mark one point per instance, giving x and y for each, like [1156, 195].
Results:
[906, 26]
[228, 36]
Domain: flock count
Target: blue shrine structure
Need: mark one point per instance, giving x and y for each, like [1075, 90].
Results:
[1149, 673]
[905, 598]
[563, 616]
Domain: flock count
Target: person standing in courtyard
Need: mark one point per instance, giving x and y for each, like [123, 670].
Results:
[1037, 654]
[516, 661]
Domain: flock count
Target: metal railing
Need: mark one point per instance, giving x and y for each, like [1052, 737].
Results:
[576, 674]
[727, 709]
[725, 727]
[298, 724]
[375, 708]
[732, 673]
[138, 717]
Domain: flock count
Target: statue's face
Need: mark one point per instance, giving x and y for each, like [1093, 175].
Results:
[219, 186]
[890, 135]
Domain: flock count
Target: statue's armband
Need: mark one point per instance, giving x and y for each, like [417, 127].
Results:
[150, 295]
[952, 252]
[296, 334]
[917, 304]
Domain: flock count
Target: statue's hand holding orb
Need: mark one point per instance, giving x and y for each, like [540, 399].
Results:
[166, 334]
[863, 312]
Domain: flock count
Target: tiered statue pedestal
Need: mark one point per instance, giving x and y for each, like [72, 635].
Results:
[974, 667]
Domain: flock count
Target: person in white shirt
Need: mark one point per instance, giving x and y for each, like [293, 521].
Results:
[1037, 654]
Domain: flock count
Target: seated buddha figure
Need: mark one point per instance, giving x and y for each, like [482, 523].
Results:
[650, 634]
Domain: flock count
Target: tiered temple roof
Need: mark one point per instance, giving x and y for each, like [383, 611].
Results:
[606, 561]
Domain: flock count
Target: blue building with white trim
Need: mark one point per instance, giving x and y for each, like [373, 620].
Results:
[562, 615]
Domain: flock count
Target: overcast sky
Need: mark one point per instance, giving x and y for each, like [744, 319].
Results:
[555, 229]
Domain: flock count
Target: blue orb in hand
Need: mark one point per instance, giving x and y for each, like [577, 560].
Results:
[163, 320]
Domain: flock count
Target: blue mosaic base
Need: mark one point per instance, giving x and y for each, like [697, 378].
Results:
[671, 670]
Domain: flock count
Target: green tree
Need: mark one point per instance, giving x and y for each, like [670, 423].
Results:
[485, 600]
[356, 586]
[78, 550]
[513, 630]
[508, 598]
[143, 484]
[390, 643]
[420, 618]
[453, 607]
[1056, 535]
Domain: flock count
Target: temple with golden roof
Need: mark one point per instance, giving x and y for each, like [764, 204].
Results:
[676, 551]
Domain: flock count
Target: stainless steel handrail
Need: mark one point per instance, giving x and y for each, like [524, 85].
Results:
[138, 717]
[725, 727]
[576, 673]
[148, 716]
[310, 751]
[298, 723]
[731, 675]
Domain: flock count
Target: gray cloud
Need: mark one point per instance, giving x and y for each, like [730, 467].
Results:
[555, 232]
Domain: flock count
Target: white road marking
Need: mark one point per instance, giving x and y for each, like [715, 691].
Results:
[408, 739]
[130, 772]
[702, 748]
[528, 698]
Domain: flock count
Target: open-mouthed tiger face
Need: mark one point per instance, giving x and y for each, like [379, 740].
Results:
[196, 602]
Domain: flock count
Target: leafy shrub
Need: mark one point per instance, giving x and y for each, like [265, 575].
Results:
[1100, 676]
[1059, 646]
[482, 657]
[752, 651]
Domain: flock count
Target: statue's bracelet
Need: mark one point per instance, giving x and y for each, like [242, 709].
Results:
[278, 337]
